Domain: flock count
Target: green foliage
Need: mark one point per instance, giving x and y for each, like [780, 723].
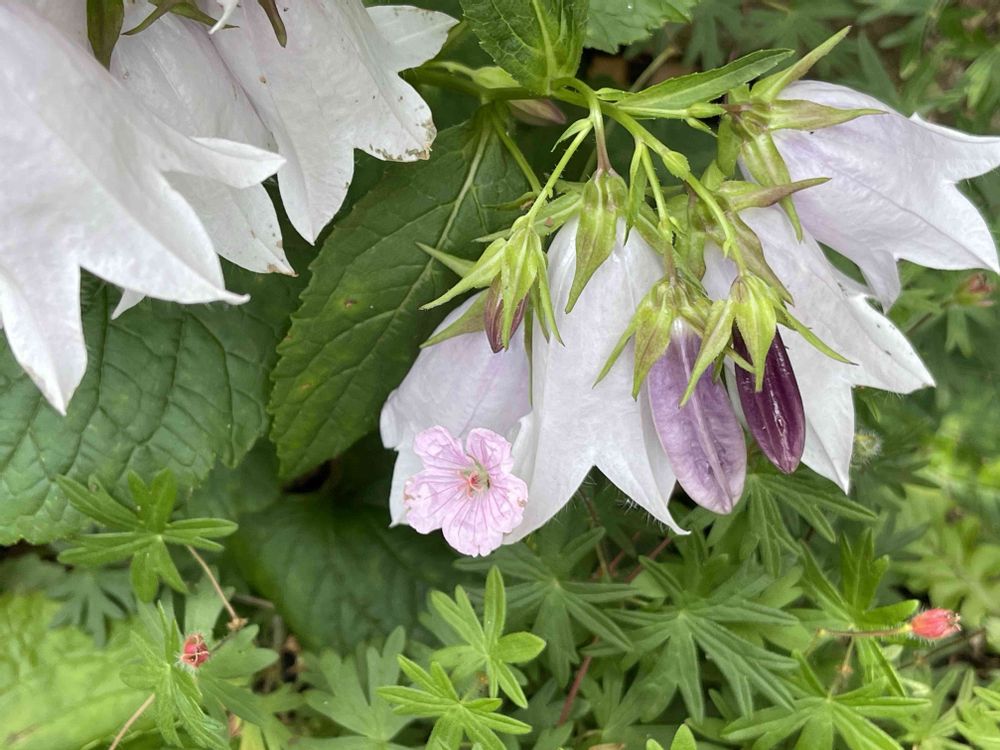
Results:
[355, 706]
[338, 575]
[359, 326]
[485, 647]
[167, 386]
[608, 27]
[140, 532]
[550, 598]
[454, 718]
[536, 41]
[56, 689]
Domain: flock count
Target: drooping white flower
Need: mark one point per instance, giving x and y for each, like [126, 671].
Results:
[892, 192]
[459, 385]
[334, 87]
[84, 186]
[573, 425]
[838, 312]
[175, 71]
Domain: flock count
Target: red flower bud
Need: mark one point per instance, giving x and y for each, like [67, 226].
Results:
[774, 414]
[934, 624]
[194, 652]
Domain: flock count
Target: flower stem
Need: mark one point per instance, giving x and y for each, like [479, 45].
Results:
[515, 151]
[235, 621]
[557, 171]
[574, 689]
[132, 720]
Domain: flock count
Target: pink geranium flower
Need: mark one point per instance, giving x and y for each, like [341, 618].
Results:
[469, 493]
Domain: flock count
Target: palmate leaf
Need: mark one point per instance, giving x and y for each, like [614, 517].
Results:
[484, 647]
[347, 692]
[850, 606]
[434, 697]
[709, 606]
[817, 717]
[140, 531]
[92, 599]
[766, 520]
[359, 326]
[553, 601]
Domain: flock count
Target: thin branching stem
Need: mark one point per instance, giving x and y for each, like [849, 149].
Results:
[132, 720]
[235, 621]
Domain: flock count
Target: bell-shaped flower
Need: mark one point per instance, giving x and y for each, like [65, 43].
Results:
[838, 312]
[575, 425]
[892, 191]
[458, 385]
[175, 71]
[84, 186]
[332, 88]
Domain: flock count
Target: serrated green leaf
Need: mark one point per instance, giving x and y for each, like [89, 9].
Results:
[609, 25]
[359, 327]
[536, 41]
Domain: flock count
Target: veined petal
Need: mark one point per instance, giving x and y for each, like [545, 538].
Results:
[459, 384]
[333, 88]
[895, 178]
[841, 317]
[575, 425]
[414, 35]
[40, 309]
[84, 179]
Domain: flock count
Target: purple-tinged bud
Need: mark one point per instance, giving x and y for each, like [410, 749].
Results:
[774, 414]
[702, 439]
[493, 317]
[538, 112]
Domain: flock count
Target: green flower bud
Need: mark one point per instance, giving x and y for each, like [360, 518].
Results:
[604, 200]
[754, 304]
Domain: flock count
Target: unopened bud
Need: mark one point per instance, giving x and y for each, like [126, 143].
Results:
[774, 413]
[934, 624]
[493, 317]
[604, 199]
[976, 291]
[537, 112]
[194, 652]
[702, 439]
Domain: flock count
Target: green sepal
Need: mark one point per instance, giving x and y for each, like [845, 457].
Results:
[714, 341]
[277, 25]
[523, 263]
[768, 89]
[766, 164]
[754, 304]
[737, 195]
[471, 321]
[800, 114]
[728, 146]
[549, 218]
[459, 266]
[789, 320]
[104, 26]
[183, 8]
[604, 198]
[637, 183]
[480, 275]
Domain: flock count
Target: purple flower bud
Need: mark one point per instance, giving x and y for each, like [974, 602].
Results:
[703, 439]
[493, 317]
[774, 414]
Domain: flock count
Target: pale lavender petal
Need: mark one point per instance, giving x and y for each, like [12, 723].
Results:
[891, 193]
[575, 425]
[703, 439]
